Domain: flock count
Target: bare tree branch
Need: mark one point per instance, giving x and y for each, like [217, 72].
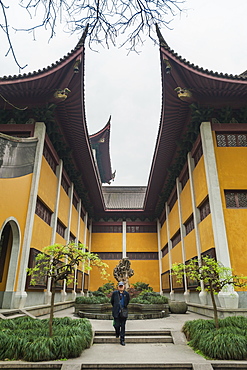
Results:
[106, 19]
[5, 29]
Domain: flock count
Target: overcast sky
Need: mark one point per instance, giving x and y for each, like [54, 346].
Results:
[210, 34]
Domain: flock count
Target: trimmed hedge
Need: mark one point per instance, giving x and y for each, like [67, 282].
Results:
[150, 298]
[28, 339]
[229, 342]
[92, 300]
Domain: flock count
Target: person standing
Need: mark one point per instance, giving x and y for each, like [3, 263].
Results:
[120, 300]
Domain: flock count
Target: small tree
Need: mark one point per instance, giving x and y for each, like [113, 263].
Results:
[213, 274]
[58, 262]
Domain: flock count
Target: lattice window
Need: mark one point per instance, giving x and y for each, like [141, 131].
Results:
[79, 276]
[236, 198]
[209, 253]
[72, 238]
[142, 255]
[165, 281]
[176, 238]
[164, 250]
[198, 154]
[107, 228]
[43, 211]
[173, 200]
[65, 184]
[184, 178]
[61, 228]
[231, 140]
[86, 282]
[109, 255]
[141, 229]
[189, 225]
[50, 158]
[75, 200]
[204, 209]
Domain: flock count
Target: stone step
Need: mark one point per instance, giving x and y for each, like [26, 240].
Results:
[151, 366]
[134, 336]
[135, 339]
[14, 316]
[134, 332]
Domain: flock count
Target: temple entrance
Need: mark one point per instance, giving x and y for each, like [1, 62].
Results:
[9, 246]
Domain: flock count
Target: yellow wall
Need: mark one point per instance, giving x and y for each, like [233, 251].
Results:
[146, 271]
[186, 204]
[190, 245]
[200, 184]
[163, 235]
[48, 180]
[41, 236]
[176, 253]
[165, 263]
[106, 242]
[141, 242]
[63, 210]
[136, 242]
[232, 165]
[81, 231]
[74, 221]
[59, 239]
[6, 264]
[236, 226]
[95, 279]
[140, 273]
[174, 220]
[206, 233]
[14, 203]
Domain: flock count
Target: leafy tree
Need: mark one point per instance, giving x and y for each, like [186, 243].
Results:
[105, 19]
[213, 274]
[58, 262]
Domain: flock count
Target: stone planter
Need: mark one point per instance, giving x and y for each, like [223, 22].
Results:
[136, 310]
[134, 307]
[178, 307]
[93, 307]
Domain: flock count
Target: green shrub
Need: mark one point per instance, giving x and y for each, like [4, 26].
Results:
[150, 298]
[229, 342]
[193, 327]
[224, 346]
[237, 321]
[107, 288]
[92, 300]
[28, 339]
[139, 300]
[97, 293]
[140, 286]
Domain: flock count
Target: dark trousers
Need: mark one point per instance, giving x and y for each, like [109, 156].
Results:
[119, 325]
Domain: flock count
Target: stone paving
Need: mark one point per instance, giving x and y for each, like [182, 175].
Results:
[141, 354]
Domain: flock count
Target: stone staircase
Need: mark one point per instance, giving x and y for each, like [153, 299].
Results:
[13, 313]
[149, 366]
[134, 336]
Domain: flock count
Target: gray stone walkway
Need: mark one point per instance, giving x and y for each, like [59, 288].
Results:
[139, 353]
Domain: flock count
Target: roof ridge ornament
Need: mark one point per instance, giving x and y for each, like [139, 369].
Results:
[161, 38]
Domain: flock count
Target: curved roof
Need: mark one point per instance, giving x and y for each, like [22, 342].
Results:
[124, 197]
[49, 86]
[184, 83]
[100, 141]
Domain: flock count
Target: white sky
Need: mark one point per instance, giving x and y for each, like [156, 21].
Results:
[211, 34]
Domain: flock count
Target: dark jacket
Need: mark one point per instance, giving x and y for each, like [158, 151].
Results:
[115, 301]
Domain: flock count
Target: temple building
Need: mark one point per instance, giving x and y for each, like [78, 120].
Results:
[57, 182]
